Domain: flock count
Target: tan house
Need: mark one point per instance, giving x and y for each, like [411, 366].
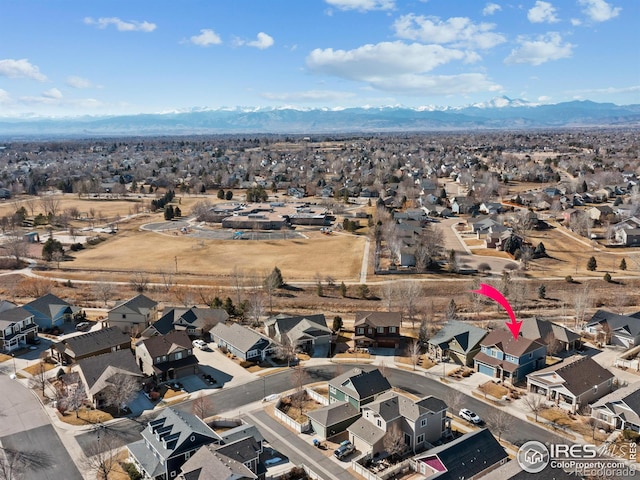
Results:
[378, 329]
[134, 315]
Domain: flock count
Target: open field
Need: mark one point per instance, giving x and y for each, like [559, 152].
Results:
[338, 255]
[568, 255]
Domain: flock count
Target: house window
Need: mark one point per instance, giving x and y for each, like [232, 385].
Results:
[379, 423]
[420, 439]
[380, 329]
[332, 389]
[124, 315]
[531, 355]
[187, 455]
[164, 358]
[192, 438]
[173, 474]
[423, 422]
[158, 359]
[392, 329]
[360, 331]
[370, 330]
[178, 355]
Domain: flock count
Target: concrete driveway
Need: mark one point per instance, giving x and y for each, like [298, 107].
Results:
[219, 366]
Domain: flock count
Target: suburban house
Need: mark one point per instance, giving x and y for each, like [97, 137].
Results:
[208, 463]
[550, 333]
[614, 329]
[619, 409]
[133, 315]
[378, 329]
[458, 341]
[572, 383]
[332, 419]
[305, 332]
[168, 442]
[630, 237]
[422, 422]
[358, 387]
[89, 344]
[470, 456]
[102, 373]
[17, 328]
[167, 357]
[501, 356]
[242, 342]
[50, 311]
[195, 321]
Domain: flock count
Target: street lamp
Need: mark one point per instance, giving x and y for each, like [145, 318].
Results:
[13, 355]
[264, 387]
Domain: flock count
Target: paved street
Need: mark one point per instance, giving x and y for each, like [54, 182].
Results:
[25, 427]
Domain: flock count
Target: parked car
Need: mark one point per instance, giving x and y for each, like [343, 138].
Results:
[345, 449]
[201, 344]
[469, 416]
[82, 326]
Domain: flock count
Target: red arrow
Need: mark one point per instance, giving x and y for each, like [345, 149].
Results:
[488, 291]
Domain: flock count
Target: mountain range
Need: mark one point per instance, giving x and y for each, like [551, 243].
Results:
[501, 113]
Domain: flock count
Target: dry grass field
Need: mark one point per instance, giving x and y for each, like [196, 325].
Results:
[301, 259]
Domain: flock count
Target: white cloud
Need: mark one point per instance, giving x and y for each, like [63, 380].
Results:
[207, 37]
[309, 96]
[382, 59]
[78, 82]
[362, 5]
[4, 97]
[609, 90]
[52, 93]
[543, 48]
[544, 99]
[457, 31]
[490, 9]
[542, 12]
[121, 25]
[576, 22]
[20, 69]
[599, 10]
[399, 67]
[262, 42]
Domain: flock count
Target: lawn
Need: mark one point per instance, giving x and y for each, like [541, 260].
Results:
[35, 368]
[86, 417]
[493, 389]
[293, 411]
[576, 423]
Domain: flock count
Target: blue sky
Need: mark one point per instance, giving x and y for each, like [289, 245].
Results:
[76, 57]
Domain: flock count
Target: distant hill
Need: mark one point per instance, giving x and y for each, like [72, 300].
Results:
[500, 113]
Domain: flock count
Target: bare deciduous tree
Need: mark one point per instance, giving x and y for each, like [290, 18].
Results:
[16, 246]
[104, 291]
[299, 378]
[409, 293]
[50, 204]
[102, 454]
[500, 421]
[74, 398]
[553, 344]
[388, 294]
[139, 281]
[413, 352]
[535, 403]
[121, 390]
[393, 441]
[286, 350]
[202, 406]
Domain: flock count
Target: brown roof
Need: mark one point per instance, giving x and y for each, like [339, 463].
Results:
[165, 344]
[580, 373]
[503, 339]
[378, 319]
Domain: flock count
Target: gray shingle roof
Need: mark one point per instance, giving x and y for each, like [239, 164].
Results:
[468, 336]
[468, 455]
[90, 342]
[333, 413]
[208, 464]
[503, 339]
[243, 450]
[242, 431]
[174, 428]
[99, 369]
[165, 344]
[625, 324]
[539, 329]
[360, 384]
[240, 337]
[367, 431]
[391, 405]
[140, 304]
[13, 315]
[50, 305]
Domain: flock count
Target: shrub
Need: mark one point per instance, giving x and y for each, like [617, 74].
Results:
[132, 471]
[76, 246]
[631, 435]
[568, 279]
[607, 277]
[223, 349]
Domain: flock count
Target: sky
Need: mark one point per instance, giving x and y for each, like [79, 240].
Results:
[98, 57]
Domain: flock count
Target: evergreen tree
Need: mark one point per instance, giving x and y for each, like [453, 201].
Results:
[221, 194]
[592, 265]
[423, 333]
[343, 290]
[337, 323]
[51, 249]
[228, 195]
[168, 213]
[177, 212]
[364, 291]
[542, 291]
[623, 264]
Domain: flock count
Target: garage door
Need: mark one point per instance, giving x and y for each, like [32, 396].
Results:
[487, 370]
